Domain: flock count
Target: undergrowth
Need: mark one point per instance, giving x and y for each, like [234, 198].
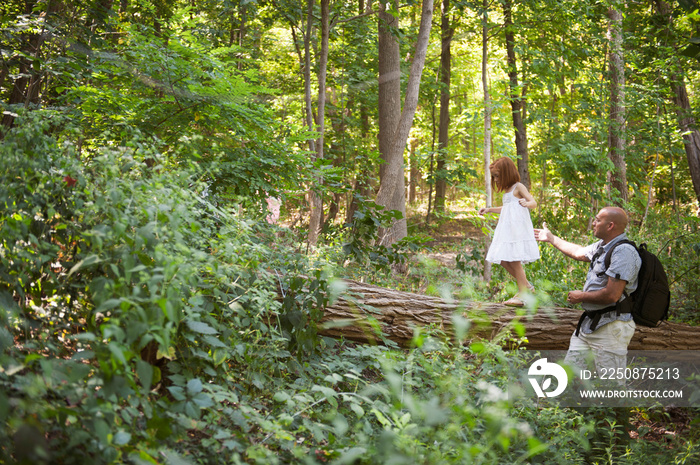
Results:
[144, 322]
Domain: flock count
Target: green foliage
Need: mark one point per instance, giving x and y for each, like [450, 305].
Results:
[676, 241]
[131, 296]
[148, 312]
[195, 107]
[142, 322]
[302, 307]
[361, 246]
[470, 262]
[370, 405]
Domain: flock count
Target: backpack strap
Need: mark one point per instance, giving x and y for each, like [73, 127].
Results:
[623, 306]
[626, 302]
[594, 315]
[608, 255]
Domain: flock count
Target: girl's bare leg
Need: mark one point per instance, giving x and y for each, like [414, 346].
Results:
[516, 270]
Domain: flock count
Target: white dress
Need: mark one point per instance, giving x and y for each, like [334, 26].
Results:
[514, 238]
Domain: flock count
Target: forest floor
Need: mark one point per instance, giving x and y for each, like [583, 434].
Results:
[664, 425]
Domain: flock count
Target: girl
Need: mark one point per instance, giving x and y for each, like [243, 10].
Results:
[514, 239]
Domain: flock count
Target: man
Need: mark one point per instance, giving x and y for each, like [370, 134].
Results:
[606, 327]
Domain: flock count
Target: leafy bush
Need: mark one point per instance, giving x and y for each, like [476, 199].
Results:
[676, 241]
[134, 300]
[361, 246]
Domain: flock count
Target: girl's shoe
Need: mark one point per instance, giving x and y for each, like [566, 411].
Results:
[514, 302]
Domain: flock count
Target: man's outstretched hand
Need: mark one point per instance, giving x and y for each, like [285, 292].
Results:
[544, 234]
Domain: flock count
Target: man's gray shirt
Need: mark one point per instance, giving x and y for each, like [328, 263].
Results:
[624, 264]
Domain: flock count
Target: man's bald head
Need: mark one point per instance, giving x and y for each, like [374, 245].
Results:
[616, 215]
[609, 223]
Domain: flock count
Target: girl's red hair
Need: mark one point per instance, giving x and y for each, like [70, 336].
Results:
[507, 173]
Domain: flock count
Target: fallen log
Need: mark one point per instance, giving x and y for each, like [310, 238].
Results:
[364, 309]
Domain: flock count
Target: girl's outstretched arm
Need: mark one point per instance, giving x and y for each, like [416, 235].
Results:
[496, 210]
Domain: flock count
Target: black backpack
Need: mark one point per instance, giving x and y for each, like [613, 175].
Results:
[651, 299]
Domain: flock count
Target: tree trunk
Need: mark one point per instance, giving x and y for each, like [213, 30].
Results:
[389, 84]
[414, 176]
[616, 134]
[392, 188]
[487, 127]
[389, 103]
[517, 97]
[686, 121]
[688, 127]
[27, 78]
[336, 116]
[443, 135]
[364, 308]
[315, 201]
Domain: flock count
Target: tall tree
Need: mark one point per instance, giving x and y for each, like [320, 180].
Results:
[389, 57]
[315, 201]
[517, 96]
[389, 111]
[616, 132]
[686, 120]
[394, 124]
[689, 129]
[446, 33]
[23, 70]
[487, 120]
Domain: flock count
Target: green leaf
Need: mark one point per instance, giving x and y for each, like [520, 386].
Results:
[177, 392]
[692, 51]
[477, 347]
[173, 458]
[117, 351]
[145, 373]
[213, 341]
[31, 357]
[351, 455]
[519, 329]
[359, 411]
[194, 386]
[281, 396]
[121, 438]
[109, 305]
[191, 410]
[326, 391]
[87, 261]
[200, 327]
[203, 400]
